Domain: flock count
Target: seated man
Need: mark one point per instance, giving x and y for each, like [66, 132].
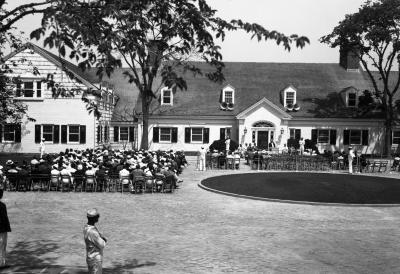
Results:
[137, 172]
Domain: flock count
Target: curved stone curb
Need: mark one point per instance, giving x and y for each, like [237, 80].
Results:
[291, 201]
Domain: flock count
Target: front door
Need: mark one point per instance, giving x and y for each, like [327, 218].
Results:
[262, 139]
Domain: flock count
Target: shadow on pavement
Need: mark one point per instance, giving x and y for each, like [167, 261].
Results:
[120, 268]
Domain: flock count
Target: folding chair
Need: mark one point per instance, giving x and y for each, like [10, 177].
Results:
[139, 184]
[123, 182]
[65, 182]
[90, 182]
[54, 182]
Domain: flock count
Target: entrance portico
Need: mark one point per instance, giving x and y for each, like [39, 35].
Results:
[262, 122]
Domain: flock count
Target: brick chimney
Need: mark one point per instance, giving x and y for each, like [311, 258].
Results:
[348, 59]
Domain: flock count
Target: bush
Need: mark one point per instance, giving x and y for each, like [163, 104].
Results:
[293, 143]
[220, 145]
[308, 144]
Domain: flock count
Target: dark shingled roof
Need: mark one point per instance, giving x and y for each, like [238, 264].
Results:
[318, 87]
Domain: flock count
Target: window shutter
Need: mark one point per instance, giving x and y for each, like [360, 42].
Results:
[82, 134]
[156, 134]
[64, 134]
[17, 130]
[56, 134]
[222, 133]
[314, 136]
[1, 133]
[365, 138]
[37, 133]
[228, 132]
[98, 133]
[346, 137]
[332, 136]
[187, 134]
[297, 134]
[174, 135]
[206, 135]
[116, 134]
[105, 133]
[131, 134]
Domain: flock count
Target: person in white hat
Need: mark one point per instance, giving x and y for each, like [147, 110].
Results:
[94, 241]
[350, 158]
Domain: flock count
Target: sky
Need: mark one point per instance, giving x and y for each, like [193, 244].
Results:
[311, 18]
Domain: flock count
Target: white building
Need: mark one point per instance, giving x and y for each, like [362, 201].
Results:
[253, 105]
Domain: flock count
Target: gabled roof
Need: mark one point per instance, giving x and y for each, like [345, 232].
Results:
[269, 105]
[56, 60]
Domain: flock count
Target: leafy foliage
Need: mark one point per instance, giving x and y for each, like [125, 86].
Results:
[220, 145]
[373, 34]
[153, 37]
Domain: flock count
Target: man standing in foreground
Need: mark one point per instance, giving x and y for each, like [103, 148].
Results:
[4, 229]
[350, 158]
[95, 243]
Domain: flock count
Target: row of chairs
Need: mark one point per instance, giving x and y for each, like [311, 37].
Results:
[222, 162]
[109, 183]
[287, 162]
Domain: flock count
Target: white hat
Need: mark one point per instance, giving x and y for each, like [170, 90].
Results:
[92, 212]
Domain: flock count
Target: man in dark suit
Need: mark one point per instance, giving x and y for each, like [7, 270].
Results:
[4, 229]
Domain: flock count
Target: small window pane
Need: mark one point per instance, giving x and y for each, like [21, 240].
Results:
[396, 137]
[48, 133]
[28, 89]
[9, 133]
[323, 136]
[289, 97]
[74, 133]
[352, 100]
[165, 134]
[228, 97]
[197, 134]
[167, 97]
[123, 133]
[355, 137]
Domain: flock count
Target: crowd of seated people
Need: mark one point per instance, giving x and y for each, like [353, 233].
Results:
[100, 163]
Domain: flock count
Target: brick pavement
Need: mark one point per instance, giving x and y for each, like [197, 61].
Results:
[196, 231]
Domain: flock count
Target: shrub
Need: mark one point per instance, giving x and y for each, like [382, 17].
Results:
[220, 145]
[293, 143]
[308, 144]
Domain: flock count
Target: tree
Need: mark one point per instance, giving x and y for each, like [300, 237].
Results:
[153, 37]
[11, 110]
[373, 34]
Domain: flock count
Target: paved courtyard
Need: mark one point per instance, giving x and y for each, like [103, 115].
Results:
[196, 231]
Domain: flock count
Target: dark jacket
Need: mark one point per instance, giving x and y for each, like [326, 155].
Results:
[4, 222]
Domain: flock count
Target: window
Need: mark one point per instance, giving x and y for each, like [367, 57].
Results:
[48, 133]
[355, 137]
[166, 97]
[124, 133]
[29, 89]
[289, 98]
[352, 100]
[9, 133]
[165, 134]
[224, 132]
[73, 133]
[295, 133]
[396, 137]
[197, 135]
[323, 136]
[228, 95]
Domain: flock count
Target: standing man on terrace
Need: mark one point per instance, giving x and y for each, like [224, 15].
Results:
[4, 229]
[95, 243]
[350, 158]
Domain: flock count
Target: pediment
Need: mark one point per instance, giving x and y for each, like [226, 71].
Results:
[268, 105]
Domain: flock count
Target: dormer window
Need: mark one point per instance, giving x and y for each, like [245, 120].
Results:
[166, 97]
[289, 96]
[351, 99]
[228, 95]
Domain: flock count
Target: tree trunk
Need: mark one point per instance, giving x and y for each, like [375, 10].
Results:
[145, 134]
[388, 126]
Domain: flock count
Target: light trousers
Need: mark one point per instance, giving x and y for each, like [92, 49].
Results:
[3, 246]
